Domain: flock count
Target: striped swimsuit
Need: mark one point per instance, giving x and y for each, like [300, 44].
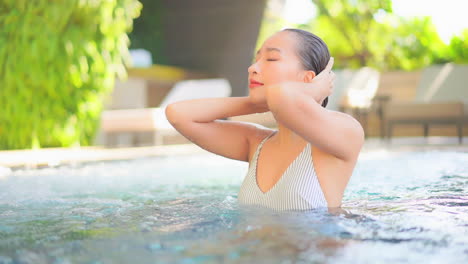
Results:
[297, 189]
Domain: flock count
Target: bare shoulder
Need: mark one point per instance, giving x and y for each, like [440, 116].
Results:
[349, 130]
[355, 129]
[348, 122]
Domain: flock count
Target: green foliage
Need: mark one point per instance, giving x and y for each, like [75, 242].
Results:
[458, 48]
[58, 61]
[148, 32]
[411, 44]
[349, 28]
[366, 33]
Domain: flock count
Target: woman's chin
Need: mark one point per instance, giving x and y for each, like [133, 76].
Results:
[257, 94]
[255, 98]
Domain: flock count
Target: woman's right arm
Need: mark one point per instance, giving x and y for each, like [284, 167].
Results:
[198, 121]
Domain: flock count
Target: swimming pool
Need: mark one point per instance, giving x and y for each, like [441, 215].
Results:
[402, 207]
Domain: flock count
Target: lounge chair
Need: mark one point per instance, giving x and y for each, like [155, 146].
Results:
[360, 90]
[154, 119]
[397, 86]
[441, 98]
[342, 83]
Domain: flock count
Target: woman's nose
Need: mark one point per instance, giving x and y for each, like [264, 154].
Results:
[252, 68]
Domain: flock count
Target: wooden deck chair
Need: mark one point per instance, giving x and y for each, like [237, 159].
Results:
[399, 86]
[340, 88]
[441, 98]
[360, 91]
[154, 119]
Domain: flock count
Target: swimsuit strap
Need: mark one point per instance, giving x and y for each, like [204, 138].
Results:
[259, 147]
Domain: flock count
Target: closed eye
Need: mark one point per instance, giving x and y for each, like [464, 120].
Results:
[267, 60]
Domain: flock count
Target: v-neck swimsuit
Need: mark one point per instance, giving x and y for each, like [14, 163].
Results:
[297, 189]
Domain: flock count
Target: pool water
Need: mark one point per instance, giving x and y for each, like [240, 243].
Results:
[399, 207]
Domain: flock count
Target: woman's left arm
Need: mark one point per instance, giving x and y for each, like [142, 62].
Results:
[297, 106]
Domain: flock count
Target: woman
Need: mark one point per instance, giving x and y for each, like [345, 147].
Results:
[309, 160]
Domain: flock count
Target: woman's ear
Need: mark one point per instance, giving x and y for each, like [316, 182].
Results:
[309, 76]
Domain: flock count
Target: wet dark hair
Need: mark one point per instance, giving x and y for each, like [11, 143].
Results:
[312, 51]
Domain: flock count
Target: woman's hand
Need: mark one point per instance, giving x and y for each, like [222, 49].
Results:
[319, 88]
[322, 85]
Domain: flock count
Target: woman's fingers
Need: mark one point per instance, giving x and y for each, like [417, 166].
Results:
[329, 66]
[328, 69]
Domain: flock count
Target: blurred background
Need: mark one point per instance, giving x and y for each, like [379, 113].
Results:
[85, 73]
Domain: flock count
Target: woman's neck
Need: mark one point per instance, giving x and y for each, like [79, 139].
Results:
[286, 137]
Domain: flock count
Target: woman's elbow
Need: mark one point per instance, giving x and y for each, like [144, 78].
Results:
[171, 114]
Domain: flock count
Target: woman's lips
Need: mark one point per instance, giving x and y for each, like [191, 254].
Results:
[253, 84]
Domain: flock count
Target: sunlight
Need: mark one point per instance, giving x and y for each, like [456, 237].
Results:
[299, 11]
[448, 16]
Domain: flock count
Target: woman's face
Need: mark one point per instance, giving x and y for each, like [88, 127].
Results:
[275, 62]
